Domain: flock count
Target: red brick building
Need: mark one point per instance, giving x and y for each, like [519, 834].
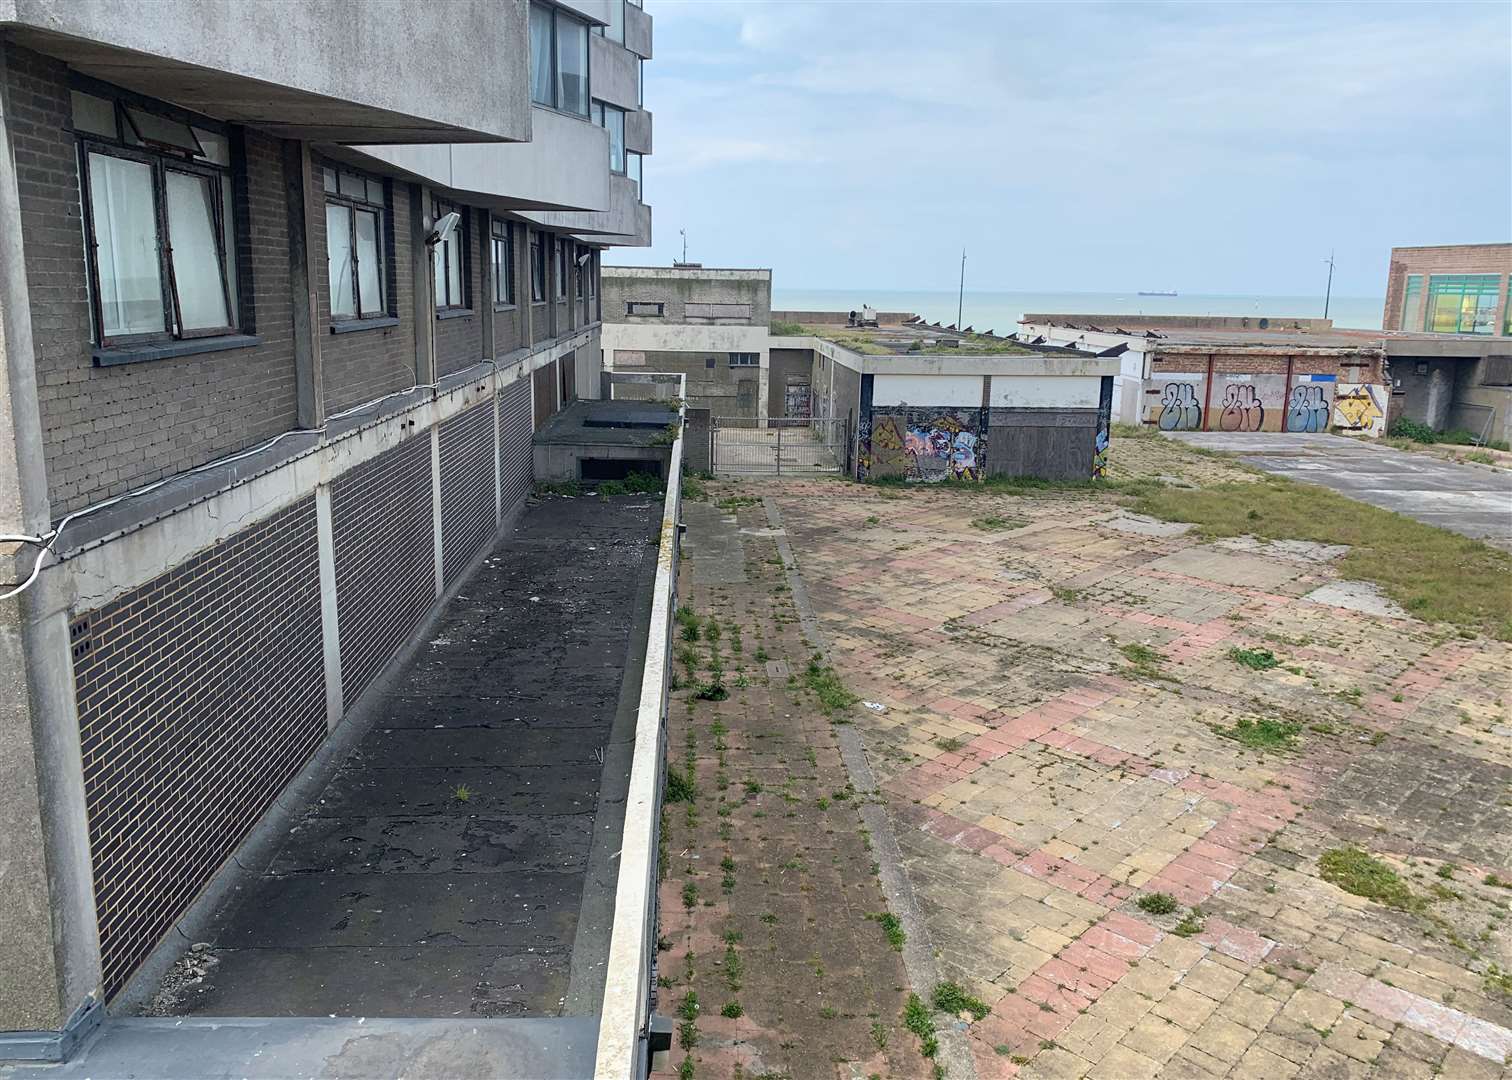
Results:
[1450, 289]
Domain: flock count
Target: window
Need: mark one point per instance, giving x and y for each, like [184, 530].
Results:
[160, 241]
[640, 81]
[1412, 304]
[537, 267]
[558, 60]
[1507, 310]
[450, 261]
[615, 31]
[612, 119]
[745, 359]
[560, 246]
[501, 246]
[633, 170]
[580, 264]
[643, 307]
[1462, 303]
[355, 244]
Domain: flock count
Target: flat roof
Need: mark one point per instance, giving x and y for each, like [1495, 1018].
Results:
[727, 273]
[1397, 342]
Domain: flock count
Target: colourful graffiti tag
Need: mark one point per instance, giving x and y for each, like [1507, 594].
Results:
[940, 448]
[1357, 408]
[1102, 441]
[887, 454]
[1307, 410]
[1242, 410]
[1179, 410]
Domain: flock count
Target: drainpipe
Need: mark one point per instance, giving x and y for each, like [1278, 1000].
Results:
[1286, 395]
[1207, 397]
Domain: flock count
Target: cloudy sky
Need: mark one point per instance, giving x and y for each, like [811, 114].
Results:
[1220, 148]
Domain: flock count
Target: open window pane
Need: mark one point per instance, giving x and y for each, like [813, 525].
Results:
[154, 130]
[339, 260]
[369, 263]
[126, 251]
[615, 31]
[198, 284]
[94, 115]
[541, 75]
[215, 146]
[614, 121]
[572, 65]
[439, 261]
[454, 269]
[228, 242]
[633, 170]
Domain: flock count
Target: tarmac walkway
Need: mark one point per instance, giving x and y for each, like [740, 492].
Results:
[444, 904]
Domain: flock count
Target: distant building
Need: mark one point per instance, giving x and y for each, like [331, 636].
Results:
[1450, 289]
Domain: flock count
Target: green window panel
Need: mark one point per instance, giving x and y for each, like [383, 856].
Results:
[1412, 304]
[1463, 303]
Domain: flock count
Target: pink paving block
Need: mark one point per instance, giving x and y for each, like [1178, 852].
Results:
[990, 1065]
[1016, 1011]
[1049, 1025]
[1218, 854]
[1126, 926]
[1434, 1019]
[1060, 739]
[1243, 945]
[1075, 872]
[1030, 725]
[1100, 937]
[1388, 1002]
[1201, 864]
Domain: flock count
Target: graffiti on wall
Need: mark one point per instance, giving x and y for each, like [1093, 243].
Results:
[1242, 410]
[940, 448]
[1179, 408]
[1307, 408]
[1102, 442]
[1360, 407]
[887, 454]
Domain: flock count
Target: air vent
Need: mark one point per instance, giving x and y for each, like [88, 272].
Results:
[80, 643]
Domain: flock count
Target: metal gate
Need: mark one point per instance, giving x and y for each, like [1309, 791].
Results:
[790, 446]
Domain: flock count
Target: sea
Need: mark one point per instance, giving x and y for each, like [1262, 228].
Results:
[1000, 311]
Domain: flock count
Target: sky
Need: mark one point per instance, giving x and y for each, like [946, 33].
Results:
[1209, 148]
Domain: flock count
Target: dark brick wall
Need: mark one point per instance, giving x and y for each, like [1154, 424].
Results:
[541, 326]
[467, 486]
[459, 340]
[200, 694]
[367, 364]
[385, 558]
[110, 429]
[514, 443]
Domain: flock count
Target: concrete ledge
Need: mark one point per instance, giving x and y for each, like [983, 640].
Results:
[53, 1046]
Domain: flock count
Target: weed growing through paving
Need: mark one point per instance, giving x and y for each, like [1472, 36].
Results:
[734, 968]
[1262, 734]
[680, 786]
[950, 746]
[892, 928]
[1065, 595]
[1144, 660]
[952, 998]
[918, 1019]
[1191, 924]
[1433, 573]
[687, 1013]
[1357, 871]
[1157, 903]
[1254, 659]
[995, 523]
[825, 682]
[732, 1010]
[462, 793]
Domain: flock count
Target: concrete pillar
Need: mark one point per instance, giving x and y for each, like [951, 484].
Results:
[1440, 393]
[49, 947]
[330, 625]
[304, 274]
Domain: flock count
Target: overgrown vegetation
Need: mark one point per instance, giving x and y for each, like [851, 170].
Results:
[1143, 660]
[918, 1019]
[779, 328]
[680, 786]
[1157, 903]
[892, 928]
[1357, 871]
[995, 523]
[1261, 734]
[1414, 431]
[825, 682]
[634, 483]
[952, 998]
[1254, 659]
[1435, 574]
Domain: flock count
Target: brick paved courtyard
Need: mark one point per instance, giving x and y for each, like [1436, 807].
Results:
[1072, 708]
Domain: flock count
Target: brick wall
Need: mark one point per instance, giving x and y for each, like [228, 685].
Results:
[541, 325]
[717, 388]
[467, 486]
[459, 339]
[110, 429]
[200, 694]
[545, 389]
[1348, 367]
[1446, 259]
[384, 539]
[366, 364]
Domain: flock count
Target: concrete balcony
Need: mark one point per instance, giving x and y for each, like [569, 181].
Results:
[637, 31]
[638, 131]
[616, 72]
[564, 166]
[333, 72]
[627, 222]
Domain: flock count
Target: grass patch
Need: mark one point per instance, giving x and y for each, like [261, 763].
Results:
[736, 502]
[950, 746]
[1191, 924]
[952, 998]
[893, 928]
[995, 523]
[1254, 659]
[693, 488]
[1437, 575]
[732, 1010]
[636, 483]
[918, 1019]
[1361, 873]
[779, 328]
[1157, 903]
[1144, 660]
[825, 682]
[1262, 734]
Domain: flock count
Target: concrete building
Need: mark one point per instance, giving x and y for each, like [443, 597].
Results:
[708, 323]
[261, 412]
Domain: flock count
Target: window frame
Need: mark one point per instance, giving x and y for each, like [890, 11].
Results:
[659, 305]
[636, 174]
[559, 247]
[1412, 294]
[495, 238]
[553, 49]
[354, 206]
[539, 274]
[463, 238]
[603, 30]
[160, 159]
[599, 112]
[753, 361]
